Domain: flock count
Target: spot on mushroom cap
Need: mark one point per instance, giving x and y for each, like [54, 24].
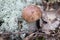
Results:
[31, 13]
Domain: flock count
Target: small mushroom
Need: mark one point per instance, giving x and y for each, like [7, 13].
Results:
[31, 13]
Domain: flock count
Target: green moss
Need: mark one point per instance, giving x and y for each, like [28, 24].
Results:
[40, 38]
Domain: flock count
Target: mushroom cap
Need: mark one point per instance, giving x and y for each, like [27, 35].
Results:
[31, 13]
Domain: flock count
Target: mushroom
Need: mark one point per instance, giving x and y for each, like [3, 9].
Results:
[31, 13]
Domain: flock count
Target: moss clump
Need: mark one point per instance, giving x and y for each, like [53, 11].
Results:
[40, 38]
